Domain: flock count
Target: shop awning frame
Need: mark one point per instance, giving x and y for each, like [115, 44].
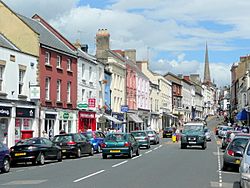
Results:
[242, 115]
[111, 118]
[135, 118]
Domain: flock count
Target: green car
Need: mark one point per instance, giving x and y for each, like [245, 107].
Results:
[193, 134]
[120, 144]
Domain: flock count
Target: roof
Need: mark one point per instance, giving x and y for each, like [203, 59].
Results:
[86, 56]
[4, 42]
[46, 37]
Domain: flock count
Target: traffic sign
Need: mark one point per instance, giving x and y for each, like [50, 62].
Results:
[82, 105]
[124, 108]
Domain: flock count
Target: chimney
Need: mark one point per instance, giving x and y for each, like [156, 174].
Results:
[84, 47]
[131, 54]
[102, 44]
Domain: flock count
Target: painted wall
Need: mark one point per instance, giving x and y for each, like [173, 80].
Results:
[107, 94]
[131, 87]
[54, 74]
[18, 32]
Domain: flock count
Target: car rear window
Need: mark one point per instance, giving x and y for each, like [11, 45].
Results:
[115, 137]
[137, 134]
[239, 142]
[88, 134]
[28, 142]
[63, 138]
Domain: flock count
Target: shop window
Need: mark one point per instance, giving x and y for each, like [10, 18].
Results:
[49, 127]
[4, 130]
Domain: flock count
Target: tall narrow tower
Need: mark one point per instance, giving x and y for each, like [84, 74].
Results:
[207, 78]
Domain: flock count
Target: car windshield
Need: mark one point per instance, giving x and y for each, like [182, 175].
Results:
[168, 129]
[28, 142]
[115, 137]
[192, 128]
[63, 138]
[150, 132]
[138, 134]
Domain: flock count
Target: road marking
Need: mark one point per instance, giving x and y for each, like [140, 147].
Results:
[156, 148]
[160, 146]
[219, 167]
[136, 157]
[88, 176]
[148, 151]
[225, 172]
[119, 164]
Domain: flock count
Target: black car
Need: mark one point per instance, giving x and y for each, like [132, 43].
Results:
[4, 158]
[35, 150]
[167, 132]
[74, 144]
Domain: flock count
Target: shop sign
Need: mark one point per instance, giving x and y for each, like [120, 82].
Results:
[82, 105]
[87, 115]
[25, 112]
[91, 103]
[124, 108]
[5, 111]
[65, 115]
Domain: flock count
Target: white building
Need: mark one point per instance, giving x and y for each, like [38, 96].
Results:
[18, 73]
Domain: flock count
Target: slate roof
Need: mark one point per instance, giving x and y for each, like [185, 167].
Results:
[47, 38]
[4, 42]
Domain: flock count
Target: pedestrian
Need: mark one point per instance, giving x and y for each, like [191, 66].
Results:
[177, 134]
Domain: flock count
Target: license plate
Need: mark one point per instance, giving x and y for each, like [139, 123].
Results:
[20, 154]
[64, 151]
[192, 142]
[237, 161]
[115, 151]
[168, 133]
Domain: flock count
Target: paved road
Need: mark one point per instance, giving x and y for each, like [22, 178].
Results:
[164, 165]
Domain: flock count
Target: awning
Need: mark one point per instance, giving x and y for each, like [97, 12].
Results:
[242, 115]
[135, 118]
[111, 118]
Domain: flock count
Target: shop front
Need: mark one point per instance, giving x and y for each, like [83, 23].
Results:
[24, 123]
[120, 117]
[5, 114]
[86, 121]
[134, 122]
[66, 122]
[144, 115]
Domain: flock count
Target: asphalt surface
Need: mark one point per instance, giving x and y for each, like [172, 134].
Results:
[163, 165]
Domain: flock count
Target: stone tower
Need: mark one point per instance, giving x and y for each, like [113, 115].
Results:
[102, 44]
[207, 78]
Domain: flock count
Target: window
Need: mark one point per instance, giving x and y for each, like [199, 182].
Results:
[69, 92]
[1, 77]
[21, 76]
[47, 88]
[83, 94]
[90, 94]
[100, 73]
[90, 73]
[47, 58]
[69, 64]
[83, 71]
[58, 61]
[58, 90]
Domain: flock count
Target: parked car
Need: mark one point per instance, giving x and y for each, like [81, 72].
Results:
[96, 138]
[233, 153]
[35, 150]
[74, 144]
[208, 133]
[223, 131]
[153, 136]
[244, 168]
[4, 158]
[120, 143]
[142, 138]
[228, 138]
[193, 135]
[167, 132]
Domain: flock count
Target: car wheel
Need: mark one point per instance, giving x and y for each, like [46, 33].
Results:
[148, 146]
[91, 151]
[6, 165]
[138, 152]
[78, 153]
[59, 156]
[183, 146]
[204, 145]
[104, 156]
[130, 155]
[99, 149]
[41, 159]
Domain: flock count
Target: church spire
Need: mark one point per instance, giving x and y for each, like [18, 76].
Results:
[207, 79]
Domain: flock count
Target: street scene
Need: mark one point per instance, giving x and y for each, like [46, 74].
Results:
[124, 93]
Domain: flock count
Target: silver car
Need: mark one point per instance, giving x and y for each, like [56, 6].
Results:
[208, 134]
[153, 136]
[245, 168]
[234, 151]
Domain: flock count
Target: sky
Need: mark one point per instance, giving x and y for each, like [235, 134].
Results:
[171, 34]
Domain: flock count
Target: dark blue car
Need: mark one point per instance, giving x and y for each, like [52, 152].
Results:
[96, 138]
[4, 158]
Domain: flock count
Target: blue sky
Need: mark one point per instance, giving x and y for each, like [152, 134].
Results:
[171, 34]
